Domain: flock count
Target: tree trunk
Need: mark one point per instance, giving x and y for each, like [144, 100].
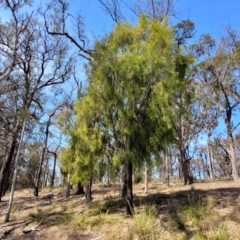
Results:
[210, 160]
[39, 173]
[54, 165]
[129, 193]
[68, 185]
[15, 175]
[186, 175]
[123, 184]
[67, 191]
[45, 174]
[89, 190]
[231, 151]
[180, 170]
[146, 179]
[166, 169]
[79, 190]
[232, 156]
[6, 165]
[184, 167]
[9, 174]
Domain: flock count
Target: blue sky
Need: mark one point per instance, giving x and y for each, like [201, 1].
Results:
[209, 16]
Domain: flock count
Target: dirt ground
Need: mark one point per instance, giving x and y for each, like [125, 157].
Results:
[52, 216]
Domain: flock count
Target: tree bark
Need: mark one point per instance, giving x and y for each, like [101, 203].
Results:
[68, 185]
[231, 152]
[123, 184]
[79, 190]
[210, 160]
[146, 179]
[166, 169]
[232, 156]
[6, 165]
[129, 193]
[54, 170]
[184, 167]
[15, 175]
[89, 190]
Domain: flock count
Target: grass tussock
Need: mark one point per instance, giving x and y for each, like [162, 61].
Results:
[145, 225]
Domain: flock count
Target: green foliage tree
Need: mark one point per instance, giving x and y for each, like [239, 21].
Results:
[131, 81]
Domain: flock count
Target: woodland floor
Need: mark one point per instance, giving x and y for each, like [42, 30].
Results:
[203, 210]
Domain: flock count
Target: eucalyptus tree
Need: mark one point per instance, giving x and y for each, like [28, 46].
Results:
[131, 77]
[219, 69]
[44, 148]
[12, 33]
[43, 62]
[186, 122]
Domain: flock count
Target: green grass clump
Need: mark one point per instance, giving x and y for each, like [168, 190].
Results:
[195, 210]
[144, 224]
[64, 219]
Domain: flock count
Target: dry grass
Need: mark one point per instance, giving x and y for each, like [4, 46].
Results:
[202, 211]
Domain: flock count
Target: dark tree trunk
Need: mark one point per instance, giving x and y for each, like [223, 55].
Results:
[9, 175]
[184, 163]
[54, 168]
[67, 189]
[129, 192]
[6, 164]
[79, 190]
[88, 194]
[186, 175]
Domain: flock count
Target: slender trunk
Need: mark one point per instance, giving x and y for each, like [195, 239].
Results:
[166, 169]
[210, 160]
[146, 179]
[15, 175]
[89, 190]
[67, 190]
[180, 170]
[129, 193]
[123, 184]
[54, 170]
[232, 156]
[108, 171]
[199, 170]
[205, 167]
[68, 185]
[231, 151]
[39, 173]
[45, 174]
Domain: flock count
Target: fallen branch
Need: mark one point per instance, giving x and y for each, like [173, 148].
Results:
[32, 229]
[98, 238]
